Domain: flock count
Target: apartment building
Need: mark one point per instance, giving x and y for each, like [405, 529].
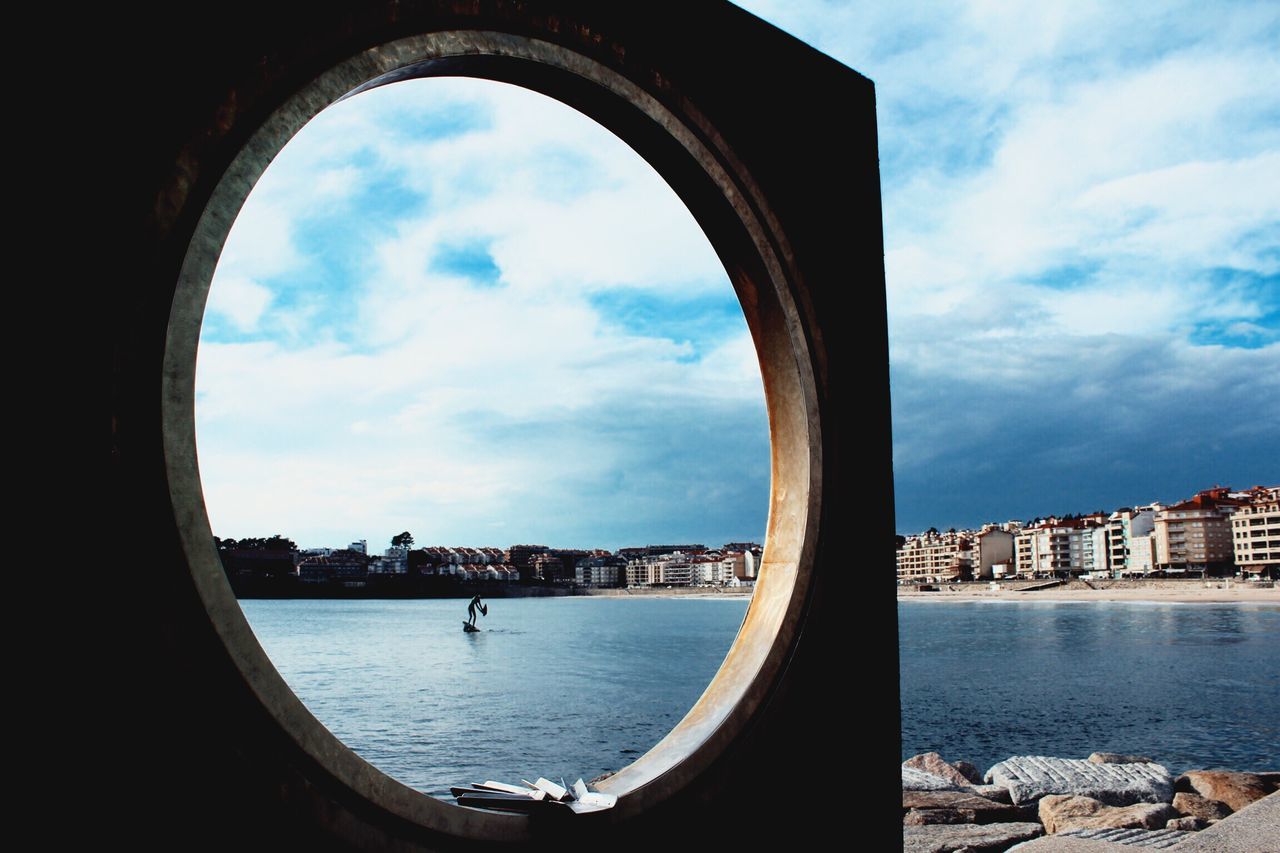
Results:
[992, 553]
[936, 558]
[1124, 527]
[1195, 536]
[669, 569]
[1061, 548]
[1255, 533]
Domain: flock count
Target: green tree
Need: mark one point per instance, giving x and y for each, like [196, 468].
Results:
[402, 540]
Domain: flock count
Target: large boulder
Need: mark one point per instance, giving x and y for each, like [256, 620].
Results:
[1194, 805]
[967, 837]
[934, 764]
[918, 780]
[956, 805]
[929, 817]
[968, 771]
[999, 793]
[1118, 758]
[1029, 777]
[1062, 812]
[1250, 830]
[1146, 839]
[1233, 788]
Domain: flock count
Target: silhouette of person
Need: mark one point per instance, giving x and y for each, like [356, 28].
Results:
[472, 607]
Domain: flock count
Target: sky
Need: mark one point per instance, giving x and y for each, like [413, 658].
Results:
[462, 309]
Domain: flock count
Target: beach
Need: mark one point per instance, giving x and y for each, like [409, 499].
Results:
[1155, 591]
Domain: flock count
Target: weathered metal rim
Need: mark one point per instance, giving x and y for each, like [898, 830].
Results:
[762, 648]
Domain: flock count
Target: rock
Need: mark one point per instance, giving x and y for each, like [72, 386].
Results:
[1070, 844]
[1118, 758]
[927, 817]
[1236, 790]
[1029, 777]
[970, 837]
[982, 809]
[1060, 812]
[933, 764]
[1194, 805]
[918, 780]
[968, 771]
[999, 793]
[1158, 839]
[1187, 824]
[1250, 830]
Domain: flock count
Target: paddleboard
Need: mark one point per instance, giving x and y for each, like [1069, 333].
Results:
[468, 627]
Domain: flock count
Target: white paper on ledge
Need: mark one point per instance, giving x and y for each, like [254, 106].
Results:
[590, 801]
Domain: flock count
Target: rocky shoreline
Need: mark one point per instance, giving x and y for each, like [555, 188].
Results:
[1107, 801]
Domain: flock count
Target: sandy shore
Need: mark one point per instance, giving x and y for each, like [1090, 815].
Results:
[1182, 593]
[678, 592]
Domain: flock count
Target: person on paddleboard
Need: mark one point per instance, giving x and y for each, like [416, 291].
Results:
[472, 607]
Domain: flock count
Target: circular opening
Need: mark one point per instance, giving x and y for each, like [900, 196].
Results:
[461, 310]
[685, 149]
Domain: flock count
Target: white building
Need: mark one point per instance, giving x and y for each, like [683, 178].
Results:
[1255, 533]
[1061, 548]
[1141, 557]
[992, 548]
[1124, 526]
[934, 557]
[674, 569]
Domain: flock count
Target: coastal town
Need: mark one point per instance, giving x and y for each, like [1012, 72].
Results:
[276, 566]
[1217, 533]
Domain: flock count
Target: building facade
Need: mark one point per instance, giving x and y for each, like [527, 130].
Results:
[1255, 533]
[936, 558]
[1194, 537]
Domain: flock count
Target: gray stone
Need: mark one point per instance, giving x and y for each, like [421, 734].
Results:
[1236, 790]
[1029, 777]
[982, 809]
[918, 780]
[1194, 805]
[928, 817]
[968, 771]
[1253, 829]
[1067, 844]
[999, 793]
[1187, 824]
[1118, 758]
[1158, 839]
[1062, 812]
[934, 764]
[949, 839]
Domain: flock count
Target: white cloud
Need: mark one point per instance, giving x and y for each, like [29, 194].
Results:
[467, 404]
[240, 300]
[1063, 183]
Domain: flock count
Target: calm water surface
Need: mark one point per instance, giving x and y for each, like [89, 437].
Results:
[1190, 686]
[550, 687]
[579, 686]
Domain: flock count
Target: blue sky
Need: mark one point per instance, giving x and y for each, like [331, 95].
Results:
[462, 309]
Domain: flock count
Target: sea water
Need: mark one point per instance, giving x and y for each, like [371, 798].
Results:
[1189, 685]
[566, 686]
[579, 686]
